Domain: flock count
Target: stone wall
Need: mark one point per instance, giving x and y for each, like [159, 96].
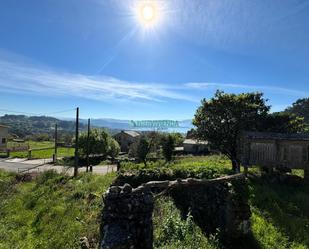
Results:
[216, 204]
[127, 218]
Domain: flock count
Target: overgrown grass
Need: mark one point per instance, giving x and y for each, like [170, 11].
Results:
[53, 211]
[171, 231]
[280, 214]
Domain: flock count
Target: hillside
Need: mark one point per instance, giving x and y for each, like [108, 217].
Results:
[55, 211]
[22, 125]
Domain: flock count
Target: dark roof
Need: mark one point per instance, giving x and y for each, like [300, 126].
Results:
[130, 133]
[277, 136]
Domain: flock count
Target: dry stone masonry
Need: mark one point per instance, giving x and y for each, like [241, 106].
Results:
[127, 218]
[216, 204]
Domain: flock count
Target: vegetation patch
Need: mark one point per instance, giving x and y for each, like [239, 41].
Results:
[53, 211]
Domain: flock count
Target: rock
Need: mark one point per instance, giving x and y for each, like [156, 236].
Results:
[127, 189]
[84, 243]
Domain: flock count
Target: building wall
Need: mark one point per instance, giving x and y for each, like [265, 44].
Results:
[195, 148]
[3, 136]
[125, 141]
[276, 153]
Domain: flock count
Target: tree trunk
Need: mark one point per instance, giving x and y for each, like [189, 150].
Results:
[235, 166]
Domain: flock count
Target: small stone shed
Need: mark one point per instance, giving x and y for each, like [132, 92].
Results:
[125, 139]
[4, 133]
[275, 150]
[193, 146]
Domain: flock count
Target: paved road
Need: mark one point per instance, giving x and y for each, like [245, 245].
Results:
[15, 166]
[39, 166]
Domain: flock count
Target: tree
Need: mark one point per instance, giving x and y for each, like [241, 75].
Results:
[168, 146]
[114, 148]
[140, 149]
[98, 142]
[221, 119]
[178, 138]
[282, 122]
[300, 108]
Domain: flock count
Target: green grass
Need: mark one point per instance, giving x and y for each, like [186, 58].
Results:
[53, 211]
[171, 231]
[40, 154]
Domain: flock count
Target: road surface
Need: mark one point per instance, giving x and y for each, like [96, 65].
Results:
[21, 165]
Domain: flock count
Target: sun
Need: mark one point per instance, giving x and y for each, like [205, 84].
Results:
[147, 13]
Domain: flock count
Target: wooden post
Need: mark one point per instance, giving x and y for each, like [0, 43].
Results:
[56, 142]
[88, 137]
[76, 143]
[29, 154]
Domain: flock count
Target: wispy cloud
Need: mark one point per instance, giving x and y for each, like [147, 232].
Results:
[224, 86]
[21, 78]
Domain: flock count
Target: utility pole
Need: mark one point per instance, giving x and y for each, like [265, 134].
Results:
[56, 142]
[88, 145]
[76, 143]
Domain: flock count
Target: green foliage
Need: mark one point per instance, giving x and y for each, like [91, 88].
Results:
[114, 148]
[197, 167]
[53, 211]
[98, 142]
[140, 149]
[300, 108]
[23, 126]
[178, 138]
[282, 122]
[171, 231]
[281, 216]
[168, 146]
[221, 119]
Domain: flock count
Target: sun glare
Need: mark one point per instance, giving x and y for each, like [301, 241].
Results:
[148, 13]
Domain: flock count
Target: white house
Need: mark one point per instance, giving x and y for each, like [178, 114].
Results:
[194, 146]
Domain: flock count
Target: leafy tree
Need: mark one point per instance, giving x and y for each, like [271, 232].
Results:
[168, 145]
[221, 119]
[114, 148]
[140, 149]
[178, 138]
[98, 142]
[300, 108]
[282, 122]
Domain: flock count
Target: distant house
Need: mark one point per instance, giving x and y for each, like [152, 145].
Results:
[125, 139]
[193, 146]
[4, 133]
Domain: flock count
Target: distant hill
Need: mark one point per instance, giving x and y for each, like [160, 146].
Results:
[22, 125]
[118, 124]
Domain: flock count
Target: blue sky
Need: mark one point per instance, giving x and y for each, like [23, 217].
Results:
[95, 54]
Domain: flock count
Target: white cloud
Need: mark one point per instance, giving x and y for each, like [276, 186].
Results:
[22, 78]
[272, 89]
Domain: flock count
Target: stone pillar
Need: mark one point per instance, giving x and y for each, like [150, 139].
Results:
[127, 218]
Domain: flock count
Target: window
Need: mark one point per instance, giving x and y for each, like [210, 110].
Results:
[3, 140]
